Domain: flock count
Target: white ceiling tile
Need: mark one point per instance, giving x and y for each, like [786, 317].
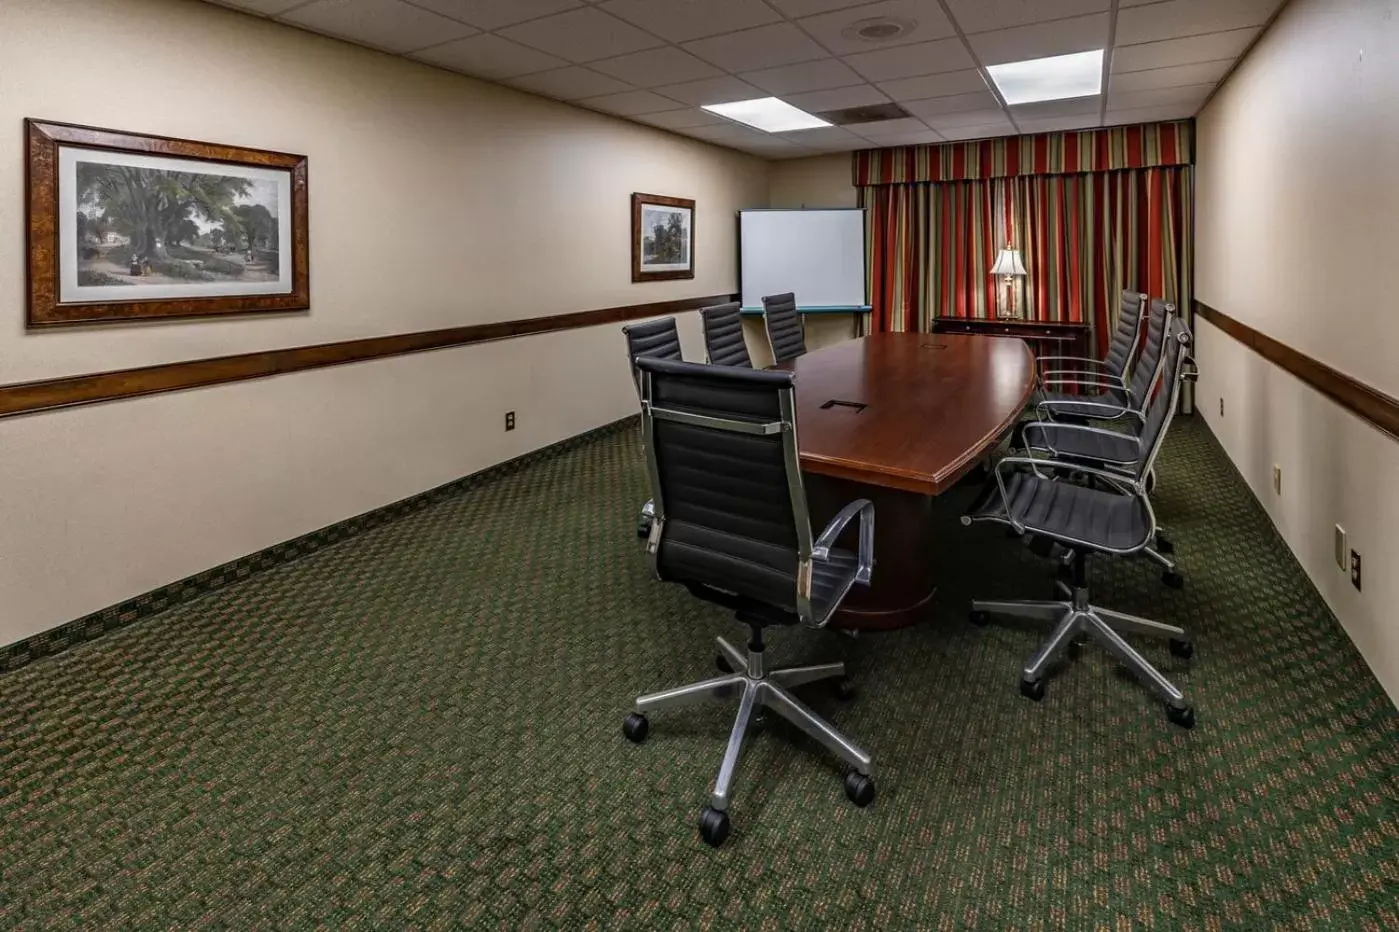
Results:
[1179, 76]
[930, 22]
[682, 20]
[825, 136]
[582, 35]
[937, 85]
[796, 8]
[1061, 37]
[804, 76]
[1196, 49]
[1159, 97]
[1147, 115]
[631, 103]
[570, 83]
[923, 137]
[889, 127]
[261, 7]
[753, 49]
[978, 131]
[980, 102]
[489, 56]
[711, 91]
[840, 98]
[682, 119]
[907, 61]
[1059, 124]
[945, 121]
[1053, 109]
[654, 67]
[984, 15]
[493, 14]
[1177, 18]
[385, 24]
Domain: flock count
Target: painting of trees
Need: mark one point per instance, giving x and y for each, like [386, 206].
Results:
[156, 208]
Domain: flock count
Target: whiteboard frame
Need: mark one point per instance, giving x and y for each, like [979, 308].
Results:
[864, 245]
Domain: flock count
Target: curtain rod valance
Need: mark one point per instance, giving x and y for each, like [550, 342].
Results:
[1118, 147]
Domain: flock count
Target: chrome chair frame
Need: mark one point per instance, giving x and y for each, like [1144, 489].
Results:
[1076, 617]
[1088, 364]
[755, 685]
[1104, 411]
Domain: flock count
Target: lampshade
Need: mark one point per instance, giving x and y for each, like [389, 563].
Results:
[1008, 263]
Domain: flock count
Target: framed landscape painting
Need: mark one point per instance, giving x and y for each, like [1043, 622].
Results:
[124, 226]
[662, 238]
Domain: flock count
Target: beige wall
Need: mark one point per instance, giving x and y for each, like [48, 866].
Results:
[820, 181]
[435, 201]
[1296, 218]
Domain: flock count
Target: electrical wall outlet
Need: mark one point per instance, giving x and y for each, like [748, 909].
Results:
[1277, 478]
[1355, 570]
[509, 420]
[1221, 406]
[1340, 547]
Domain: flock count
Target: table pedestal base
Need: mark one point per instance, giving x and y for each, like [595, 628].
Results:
[903, 583]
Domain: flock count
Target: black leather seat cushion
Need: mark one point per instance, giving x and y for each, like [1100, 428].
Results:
[1068, 512]
[1067, 404]
[1089, 445]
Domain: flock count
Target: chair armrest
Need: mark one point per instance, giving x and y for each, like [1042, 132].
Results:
[1074, 359]
[1045, 426]
[1094, 380]
[1080, 377]
[822, 548]
[1108, 412]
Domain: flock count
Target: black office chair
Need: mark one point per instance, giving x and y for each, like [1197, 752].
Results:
[786, 333]
[658, 339]
[1116, 366]
[1115, 450]
[1102, 398]
[731, 525]
[723, 336]
[1114, 517]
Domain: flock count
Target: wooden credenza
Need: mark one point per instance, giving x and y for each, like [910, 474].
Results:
[1046, 338]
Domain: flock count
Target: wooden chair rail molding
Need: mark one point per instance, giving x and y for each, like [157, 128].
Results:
[68, 391]
[1356, 397]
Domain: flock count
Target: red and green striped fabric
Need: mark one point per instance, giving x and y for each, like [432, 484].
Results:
[1151, 145]
[1084, 238]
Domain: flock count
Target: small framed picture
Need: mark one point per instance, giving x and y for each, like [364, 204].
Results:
[124, 226]
[662, 238]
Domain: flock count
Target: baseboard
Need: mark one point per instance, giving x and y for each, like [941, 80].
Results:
[127, 612]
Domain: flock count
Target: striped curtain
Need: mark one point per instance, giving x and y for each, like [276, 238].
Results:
[1084, 235]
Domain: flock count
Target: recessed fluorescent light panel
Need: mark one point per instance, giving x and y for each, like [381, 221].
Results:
[1057, 78]
[767, 114]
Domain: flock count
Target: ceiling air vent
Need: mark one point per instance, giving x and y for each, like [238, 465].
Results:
[853, 116]
[879, 29]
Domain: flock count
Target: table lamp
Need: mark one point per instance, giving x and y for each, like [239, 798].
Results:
[1008, 265]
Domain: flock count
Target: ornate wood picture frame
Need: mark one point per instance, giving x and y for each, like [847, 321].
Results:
[662, 238]
[124, 226]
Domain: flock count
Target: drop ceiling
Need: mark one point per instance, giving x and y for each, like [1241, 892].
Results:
[659, 61]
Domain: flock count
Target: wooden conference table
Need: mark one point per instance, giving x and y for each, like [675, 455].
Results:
[898, 418]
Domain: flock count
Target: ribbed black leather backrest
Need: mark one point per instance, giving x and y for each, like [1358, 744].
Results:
[1127, 334]
[657, 338]
[784, 326]
[723, 496]
[1144, 372]
[1175, 355]
[723, 336]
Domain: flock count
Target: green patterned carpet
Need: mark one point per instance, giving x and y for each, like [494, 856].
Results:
[420, 727]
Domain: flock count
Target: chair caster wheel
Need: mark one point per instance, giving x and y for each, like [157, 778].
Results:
[1183, 649]
[859, 788]
[643, 528]
[844, 689]
[1032, 689]
[713, 826]
[978, 617]
[635, 727]
[1164, 544]
[1173, 579]
[723, 664]
[1183, 716]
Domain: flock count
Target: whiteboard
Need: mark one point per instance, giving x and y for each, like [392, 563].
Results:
[818, 254]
